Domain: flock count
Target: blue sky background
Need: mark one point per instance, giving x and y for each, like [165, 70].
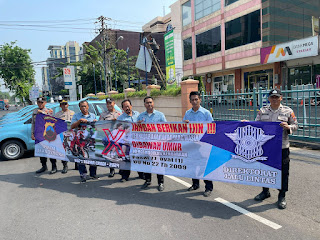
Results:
[130, 15]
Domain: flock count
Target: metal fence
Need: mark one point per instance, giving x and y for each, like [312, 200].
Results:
[303, 99]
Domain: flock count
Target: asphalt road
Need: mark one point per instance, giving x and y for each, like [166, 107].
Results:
[59, 207]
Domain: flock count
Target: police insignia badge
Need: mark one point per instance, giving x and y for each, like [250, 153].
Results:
[49, 133]
[249, 141]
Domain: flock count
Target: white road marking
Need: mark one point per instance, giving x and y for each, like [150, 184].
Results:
[235, 207]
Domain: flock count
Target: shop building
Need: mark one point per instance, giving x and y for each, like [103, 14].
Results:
[222, 39]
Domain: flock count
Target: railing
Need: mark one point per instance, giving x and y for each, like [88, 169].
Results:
[303, 99]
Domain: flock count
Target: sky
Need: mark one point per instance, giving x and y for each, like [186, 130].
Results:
[69, 20]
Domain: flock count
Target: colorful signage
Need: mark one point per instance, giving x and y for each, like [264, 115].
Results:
[169, 53]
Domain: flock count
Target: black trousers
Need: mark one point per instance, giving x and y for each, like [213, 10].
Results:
[284, 173]
[125, 173]
[148, 177]
[43, 161]
[208, 184]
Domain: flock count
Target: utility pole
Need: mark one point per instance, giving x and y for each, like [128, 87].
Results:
[103, 29]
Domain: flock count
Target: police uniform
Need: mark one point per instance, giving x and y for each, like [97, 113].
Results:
[282, 114]
[66, 116]
[107, 115]
[45, 111]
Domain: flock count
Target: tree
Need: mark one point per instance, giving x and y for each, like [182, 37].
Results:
[16, 69]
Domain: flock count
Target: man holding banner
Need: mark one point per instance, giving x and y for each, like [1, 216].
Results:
[276, 112]
[82, 119]
[151, 115]
[41, 102]
[128, 116]
[198, 114]
[111, 115]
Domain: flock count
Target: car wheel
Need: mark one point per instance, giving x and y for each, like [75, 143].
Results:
[12, 150]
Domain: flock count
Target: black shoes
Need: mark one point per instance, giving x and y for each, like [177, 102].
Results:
[54, 170]
[124, 179]
[83, 179]
[111, 174]
[65, 169]
[43, 169]
[282, 203]
[192, 188]
[262, 196]
[207, 193]
[160, 187]
[95, 177]
[145, 185]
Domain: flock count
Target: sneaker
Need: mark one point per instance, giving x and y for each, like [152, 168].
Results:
[145, 185]
[83, 179]
[262, 196]
[282, 203]
[207, 193]
[192, 188]
[160, 187]
[95, 177]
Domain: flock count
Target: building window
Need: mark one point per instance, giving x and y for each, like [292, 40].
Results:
[243, 30]
[203, 8]
[187, 48]
[186, 13]
[228, 2]
[223, 84]
[72, 52]
[208, 42]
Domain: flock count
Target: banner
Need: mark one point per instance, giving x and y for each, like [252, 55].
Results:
[169, 53]
[237, 152]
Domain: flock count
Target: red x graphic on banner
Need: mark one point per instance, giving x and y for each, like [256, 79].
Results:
[113, 143]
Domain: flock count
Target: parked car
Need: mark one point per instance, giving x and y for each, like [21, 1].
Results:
[2, 104]
[15, 135]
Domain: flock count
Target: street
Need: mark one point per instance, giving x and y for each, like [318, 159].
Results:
[57, 206]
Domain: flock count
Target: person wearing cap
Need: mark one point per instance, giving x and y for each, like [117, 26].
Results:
[151, 115]
[78, 120]
[128, 115]
[41, 102]
[66, 115]
[276, 112]
[111, 114]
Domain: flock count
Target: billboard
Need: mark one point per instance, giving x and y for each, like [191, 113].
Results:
[169, 54]
[69, 77]
[306, 47]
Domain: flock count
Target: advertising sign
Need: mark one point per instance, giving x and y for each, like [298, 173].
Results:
[306, 47]
[69, 77]
[33, 93]
[169, 53]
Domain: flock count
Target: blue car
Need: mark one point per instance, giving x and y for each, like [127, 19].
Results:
[15, 135]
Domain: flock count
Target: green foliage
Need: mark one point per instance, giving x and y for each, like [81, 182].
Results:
[4, 95]
[201, 86]
[171, 92]
[16, 69]
[63, 92]
[155, 92]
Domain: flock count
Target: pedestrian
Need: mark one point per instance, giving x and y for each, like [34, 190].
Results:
[111, 114]
[151, 115]
[82, 119]
[128, 115]
[41, 102]
[276, 112]
[66, 115]
[198, 114]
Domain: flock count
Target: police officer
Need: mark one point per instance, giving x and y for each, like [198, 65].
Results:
[128, 115]
[41, 102]
[66, 115]
[111, 114]
[151, 115]
[276, 112]
[198, 114]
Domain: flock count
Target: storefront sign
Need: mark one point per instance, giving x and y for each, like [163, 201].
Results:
[306, 47]
[169, 53]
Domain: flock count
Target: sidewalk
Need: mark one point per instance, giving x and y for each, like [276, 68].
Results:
[305, 152]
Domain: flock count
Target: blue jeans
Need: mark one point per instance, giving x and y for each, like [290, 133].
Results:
[83, 170]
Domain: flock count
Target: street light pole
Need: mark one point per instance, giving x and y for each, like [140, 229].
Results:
[128, 50]
[94, 79]
[115, 71]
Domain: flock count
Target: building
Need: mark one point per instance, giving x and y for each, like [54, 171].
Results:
[222, 39]
[157, 27]
[60, 56]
